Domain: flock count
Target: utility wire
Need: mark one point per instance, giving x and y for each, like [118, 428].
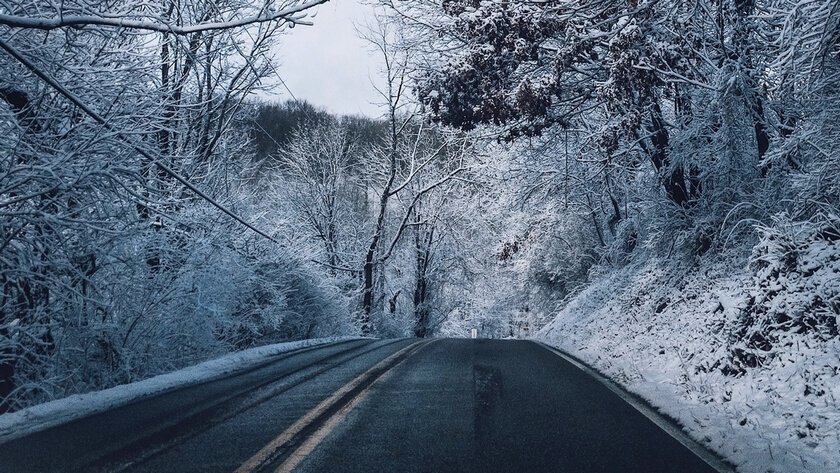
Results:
[268, 61]
[78, 102]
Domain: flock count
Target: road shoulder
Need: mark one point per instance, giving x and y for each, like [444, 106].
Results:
[663, 421]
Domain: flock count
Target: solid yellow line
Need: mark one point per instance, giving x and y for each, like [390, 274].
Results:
[315, 439]
[265, 453]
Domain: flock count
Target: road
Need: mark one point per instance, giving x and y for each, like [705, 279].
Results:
[377, 406]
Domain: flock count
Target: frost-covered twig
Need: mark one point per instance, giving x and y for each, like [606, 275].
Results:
[292, 14]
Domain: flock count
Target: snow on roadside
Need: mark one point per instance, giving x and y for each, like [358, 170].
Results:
[664, 333]
[43, 416]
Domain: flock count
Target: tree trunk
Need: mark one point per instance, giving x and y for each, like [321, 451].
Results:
[743, 39]
[423, 246]
[673, 180]
[370, 257]
[367, 293]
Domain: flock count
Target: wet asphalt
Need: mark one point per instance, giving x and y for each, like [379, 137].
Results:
[455, 405]
[497, 406]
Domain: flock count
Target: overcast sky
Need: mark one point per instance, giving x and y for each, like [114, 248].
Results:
[328, 64]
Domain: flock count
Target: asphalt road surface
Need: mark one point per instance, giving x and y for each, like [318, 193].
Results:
[377, 406]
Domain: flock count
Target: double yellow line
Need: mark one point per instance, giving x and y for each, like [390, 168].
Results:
[266, 454]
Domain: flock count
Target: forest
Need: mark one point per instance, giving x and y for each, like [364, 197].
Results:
[155, 213]
[669, 167]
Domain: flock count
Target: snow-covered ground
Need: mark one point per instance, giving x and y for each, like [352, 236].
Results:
[666, 333]
[43, 416]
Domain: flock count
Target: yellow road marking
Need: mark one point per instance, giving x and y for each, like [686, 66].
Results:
[309, 445]
[255, 462]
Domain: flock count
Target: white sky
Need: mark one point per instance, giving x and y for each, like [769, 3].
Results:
[327, 64]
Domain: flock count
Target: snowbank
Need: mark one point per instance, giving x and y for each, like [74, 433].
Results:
[668, 334]
[49, 414]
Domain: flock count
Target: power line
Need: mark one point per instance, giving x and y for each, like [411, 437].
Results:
[285, 86]
[78, 102]
[268, 61]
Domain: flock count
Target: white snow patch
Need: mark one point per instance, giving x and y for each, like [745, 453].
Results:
[43, 416]
[664, 334]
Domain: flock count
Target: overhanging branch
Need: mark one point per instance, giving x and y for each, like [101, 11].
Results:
[11, 51]
[292, 14]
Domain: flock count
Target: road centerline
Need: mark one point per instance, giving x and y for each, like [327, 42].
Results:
[267, 454]
[114, 466]
[312, 442]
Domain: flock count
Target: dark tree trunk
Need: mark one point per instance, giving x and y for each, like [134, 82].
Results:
[370, 257]
[743, 38]
[423, 247]
[367, 292]
[673, 177]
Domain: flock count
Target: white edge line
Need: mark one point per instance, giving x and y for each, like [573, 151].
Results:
[661, 421]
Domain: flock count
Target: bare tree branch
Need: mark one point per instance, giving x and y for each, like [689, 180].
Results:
[293, 15]
[99, 119]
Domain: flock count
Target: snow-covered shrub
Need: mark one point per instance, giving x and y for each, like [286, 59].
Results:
[566, 253]
[313, 306]
[796, 290]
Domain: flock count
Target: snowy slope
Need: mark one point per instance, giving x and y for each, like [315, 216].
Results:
[666, 333]
[43, 416]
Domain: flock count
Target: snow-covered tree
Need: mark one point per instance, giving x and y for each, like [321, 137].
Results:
[122, 132]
